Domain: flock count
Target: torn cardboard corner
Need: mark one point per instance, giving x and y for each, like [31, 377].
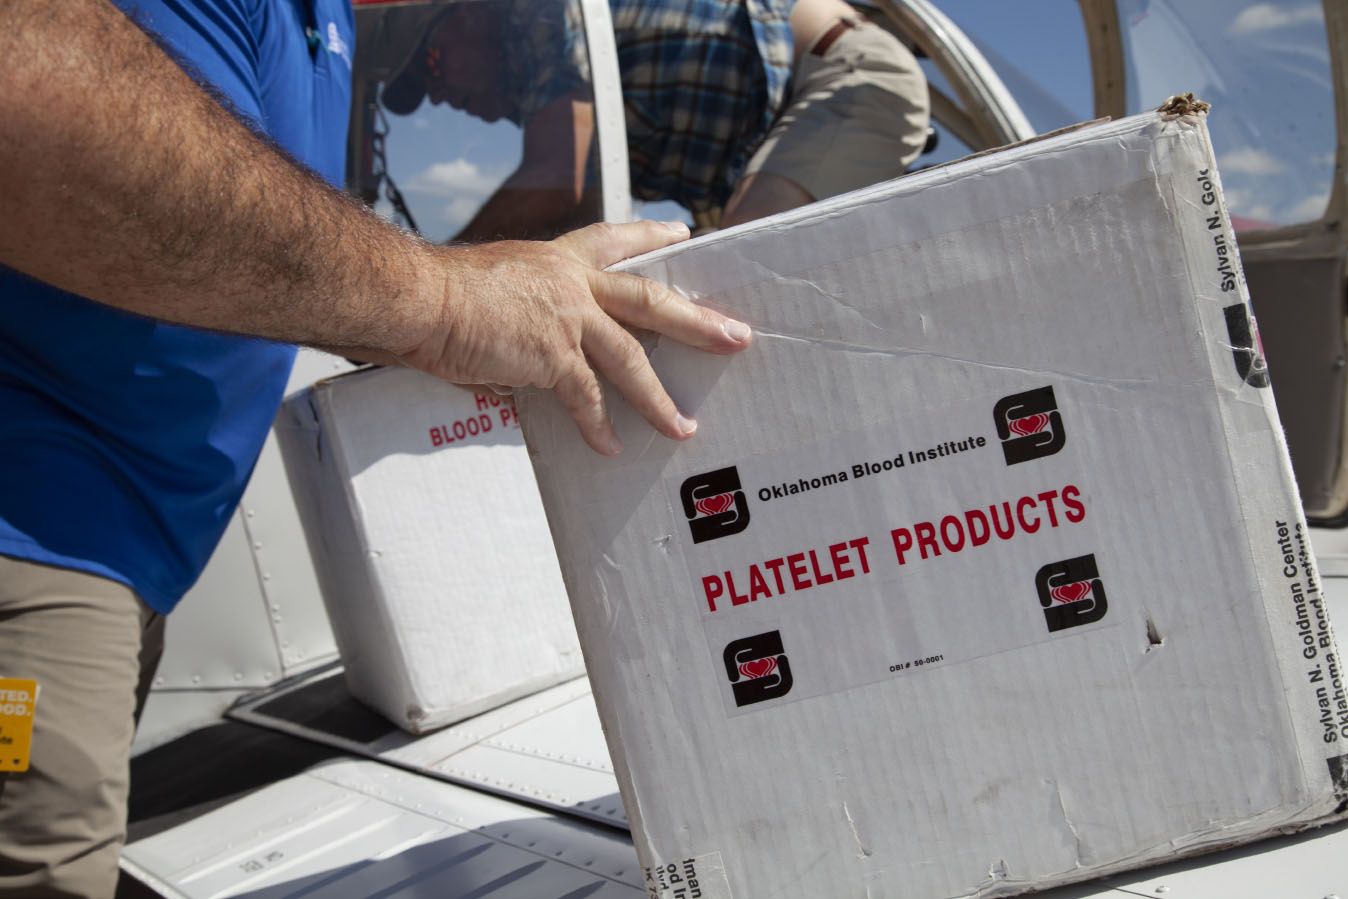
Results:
[1183, 105]
[430, 543]
[986, 571]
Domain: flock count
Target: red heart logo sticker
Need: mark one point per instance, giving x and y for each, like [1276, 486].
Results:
[758, 668]
[1030, 424]
[1071, 592]
[714, 505]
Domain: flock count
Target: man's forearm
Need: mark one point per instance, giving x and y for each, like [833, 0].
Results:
[123, 181]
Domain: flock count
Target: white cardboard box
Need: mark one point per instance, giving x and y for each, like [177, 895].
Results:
[986, 570]
[432, 551]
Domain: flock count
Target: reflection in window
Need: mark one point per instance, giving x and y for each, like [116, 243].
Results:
[481, 112]
[1264, 67]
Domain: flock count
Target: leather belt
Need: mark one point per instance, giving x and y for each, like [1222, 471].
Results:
[828, 38]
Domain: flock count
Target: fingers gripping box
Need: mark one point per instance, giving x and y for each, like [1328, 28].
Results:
[432, 551]
[986, 571]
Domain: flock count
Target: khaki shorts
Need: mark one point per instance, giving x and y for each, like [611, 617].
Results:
[856, 115]
[92, 646]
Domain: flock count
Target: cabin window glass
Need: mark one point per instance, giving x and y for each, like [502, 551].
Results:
[1038, 48]
[483, 110]
[1264, 66]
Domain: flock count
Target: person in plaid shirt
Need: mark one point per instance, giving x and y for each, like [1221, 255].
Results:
[746, 106]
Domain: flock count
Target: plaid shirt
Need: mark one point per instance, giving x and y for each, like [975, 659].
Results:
[702, 82]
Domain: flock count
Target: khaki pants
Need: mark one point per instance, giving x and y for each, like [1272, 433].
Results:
[857, 115]
[92, 646]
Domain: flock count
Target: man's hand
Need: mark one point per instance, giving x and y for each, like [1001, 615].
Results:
[545, 315]
[190, 218]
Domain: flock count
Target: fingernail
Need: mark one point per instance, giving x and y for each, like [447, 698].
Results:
[736, 331]
[615, 446]
[677, 227]
[686, 425]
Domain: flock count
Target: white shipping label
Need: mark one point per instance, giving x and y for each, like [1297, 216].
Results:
[947, 537]
[701, 877]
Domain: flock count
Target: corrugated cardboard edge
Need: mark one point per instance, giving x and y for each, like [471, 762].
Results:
[1321, 806]
[1185, 104]
[1038, 138]
[912, 183]
[428, 715]
[320, 469]
[1236, 392]
[316, 463]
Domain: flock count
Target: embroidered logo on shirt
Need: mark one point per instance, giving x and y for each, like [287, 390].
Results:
[337, 45]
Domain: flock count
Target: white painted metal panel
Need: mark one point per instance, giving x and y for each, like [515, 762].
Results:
[294, 605]
[610, 116]
[546, 749]
[219, 636]
[535, 777]
[334, 820]
[358, 829]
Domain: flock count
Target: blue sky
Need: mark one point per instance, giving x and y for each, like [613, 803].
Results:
[1038, 48]
[1263, 65]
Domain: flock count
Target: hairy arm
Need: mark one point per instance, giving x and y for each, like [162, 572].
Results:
[123, 181]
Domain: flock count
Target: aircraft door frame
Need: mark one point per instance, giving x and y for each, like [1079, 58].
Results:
[984, 114]
[610, 118]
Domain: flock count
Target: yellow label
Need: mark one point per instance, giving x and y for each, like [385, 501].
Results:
[18, 702]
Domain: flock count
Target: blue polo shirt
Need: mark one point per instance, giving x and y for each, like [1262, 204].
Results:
[126, 443]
